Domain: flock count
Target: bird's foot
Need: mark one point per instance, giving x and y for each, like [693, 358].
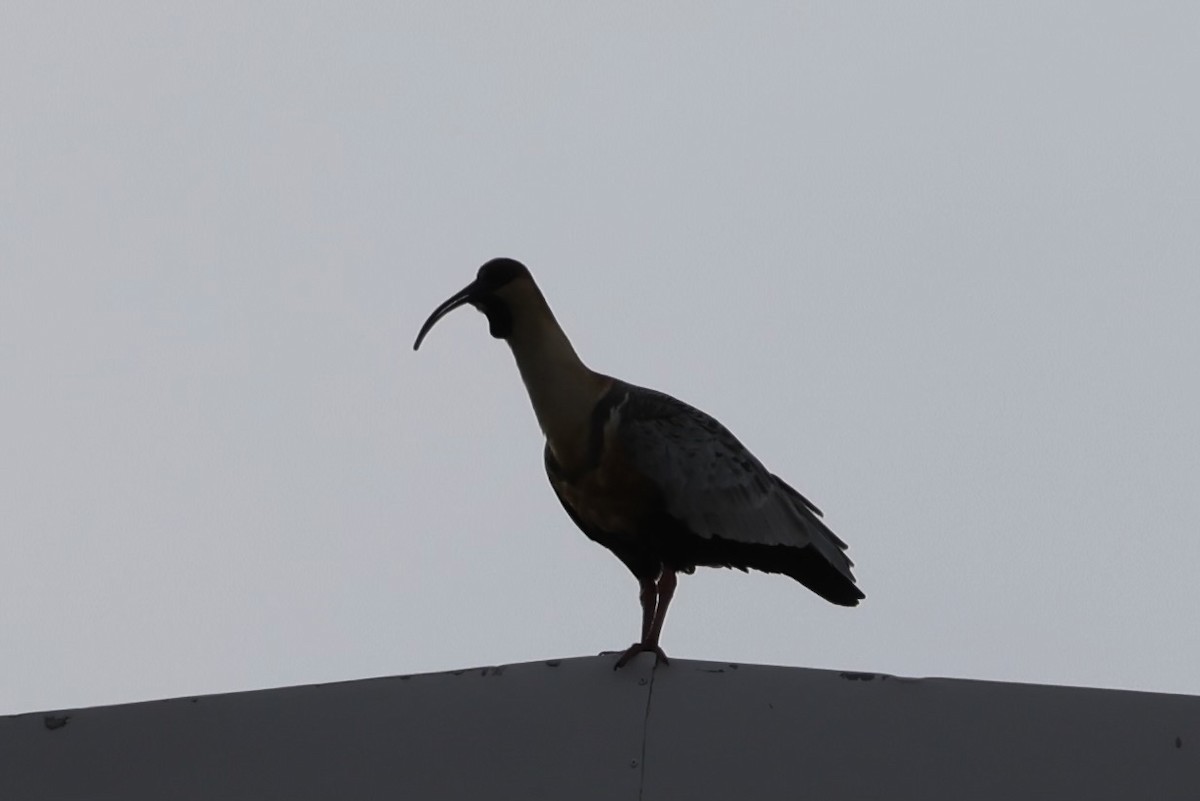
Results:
[660, 658]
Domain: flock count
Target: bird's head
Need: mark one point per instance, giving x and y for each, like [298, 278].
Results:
[498, 288]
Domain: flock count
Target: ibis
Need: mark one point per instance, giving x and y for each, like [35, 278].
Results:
[661, 484]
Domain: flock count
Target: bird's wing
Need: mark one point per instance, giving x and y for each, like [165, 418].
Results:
[713, 483]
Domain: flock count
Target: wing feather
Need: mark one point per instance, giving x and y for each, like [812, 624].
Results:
[714, 484]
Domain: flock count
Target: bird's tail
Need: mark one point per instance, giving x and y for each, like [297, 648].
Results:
[823, 565]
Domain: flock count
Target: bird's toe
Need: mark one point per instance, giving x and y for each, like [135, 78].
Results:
[660, 657]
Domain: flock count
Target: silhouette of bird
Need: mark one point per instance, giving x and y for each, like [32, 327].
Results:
[661, 484]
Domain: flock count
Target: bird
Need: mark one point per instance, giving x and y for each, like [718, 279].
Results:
[658, 482]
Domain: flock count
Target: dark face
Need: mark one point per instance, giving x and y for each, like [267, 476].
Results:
[481, 293]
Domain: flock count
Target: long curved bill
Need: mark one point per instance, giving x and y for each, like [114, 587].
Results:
[459, 298]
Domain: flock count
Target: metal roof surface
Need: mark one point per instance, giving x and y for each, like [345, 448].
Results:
[575, 729]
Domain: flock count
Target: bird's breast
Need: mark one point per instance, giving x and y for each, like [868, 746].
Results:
[613, 496]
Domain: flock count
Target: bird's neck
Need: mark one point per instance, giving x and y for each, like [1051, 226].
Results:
[562, 389]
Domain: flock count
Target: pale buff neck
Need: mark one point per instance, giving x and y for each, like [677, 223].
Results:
[561, 388]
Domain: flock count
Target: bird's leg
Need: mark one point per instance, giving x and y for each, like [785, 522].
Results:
[649, 598]
[655, 599]
[666, 590]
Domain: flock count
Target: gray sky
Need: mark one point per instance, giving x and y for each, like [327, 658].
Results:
[938, 265]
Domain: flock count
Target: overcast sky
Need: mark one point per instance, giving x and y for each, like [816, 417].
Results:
[936, 264]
